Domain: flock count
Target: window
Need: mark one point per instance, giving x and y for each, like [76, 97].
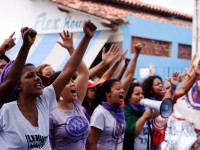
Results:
[184, 51]
[152, 47]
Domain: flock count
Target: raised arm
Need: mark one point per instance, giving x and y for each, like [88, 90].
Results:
[120, 74]
[151, 69]
[14, 74]
[188, 83]
[131, 69]
[7, 44]
[107, 58]
[109, 73]
[173, 82]
[83, 72]
[75, 59]
[169, 88]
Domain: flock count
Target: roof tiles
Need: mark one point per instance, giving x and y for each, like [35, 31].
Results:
[116, 11]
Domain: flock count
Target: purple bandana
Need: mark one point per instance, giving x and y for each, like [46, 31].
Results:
[116, 111]
[140, 109]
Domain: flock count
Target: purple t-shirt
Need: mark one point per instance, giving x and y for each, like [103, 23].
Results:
[69, 129]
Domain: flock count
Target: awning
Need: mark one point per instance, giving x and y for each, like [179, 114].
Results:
[46, 50]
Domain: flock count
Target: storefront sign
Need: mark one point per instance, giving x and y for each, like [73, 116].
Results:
[45, 23]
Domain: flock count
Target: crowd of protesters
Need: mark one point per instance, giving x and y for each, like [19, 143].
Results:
[75, 108]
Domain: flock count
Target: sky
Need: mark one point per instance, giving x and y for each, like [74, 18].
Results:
[185, 6]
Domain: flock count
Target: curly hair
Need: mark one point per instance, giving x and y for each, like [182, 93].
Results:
[147, 85]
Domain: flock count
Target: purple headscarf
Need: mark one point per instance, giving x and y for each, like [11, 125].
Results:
[6, 69]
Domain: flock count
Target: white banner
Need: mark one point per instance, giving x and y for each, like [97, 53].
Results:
[180, 135]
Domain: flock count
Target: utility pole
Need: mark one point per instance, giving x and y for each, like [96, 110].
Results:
[196, 29]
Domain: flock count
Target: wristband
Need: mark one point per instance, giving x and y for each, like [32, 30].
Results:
[173, 87]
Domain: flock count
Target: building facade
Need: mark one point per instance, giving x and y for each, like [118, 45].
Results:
[166, 35]
[166, 46]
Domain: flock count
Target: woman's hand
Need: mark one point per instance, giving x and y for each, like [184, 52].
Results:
[67, 40]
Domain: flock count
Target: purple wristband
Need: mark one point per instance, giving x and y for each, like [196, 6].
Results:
[173, 87]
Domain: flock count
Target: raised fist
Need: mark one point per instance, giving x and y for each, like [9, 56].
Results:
[138, 48]
[28, 35]
[89, 29]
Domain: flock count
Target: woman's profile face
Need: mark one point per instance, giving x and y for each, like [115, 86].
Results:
[30, 82]
[136, 96]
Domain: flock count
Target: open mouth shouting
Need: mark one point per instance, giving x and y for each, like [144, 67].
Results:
[38, 84]
[121, 97]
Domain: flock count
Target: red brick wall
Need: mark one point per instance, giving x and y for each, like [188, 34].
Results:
[152, 47]
[184, 51]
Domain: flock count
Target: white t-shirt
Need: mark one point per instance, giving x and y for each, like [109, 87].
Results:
[141, 140]
[16, 132]
[103, 120]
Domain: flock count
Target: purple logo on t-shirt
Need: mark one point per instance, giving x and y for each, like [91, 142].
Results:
[193, 96]
[76, 126]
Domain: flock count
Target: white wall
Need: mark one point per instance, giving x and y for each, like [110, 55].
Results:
[41, 15]
[12, 16]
